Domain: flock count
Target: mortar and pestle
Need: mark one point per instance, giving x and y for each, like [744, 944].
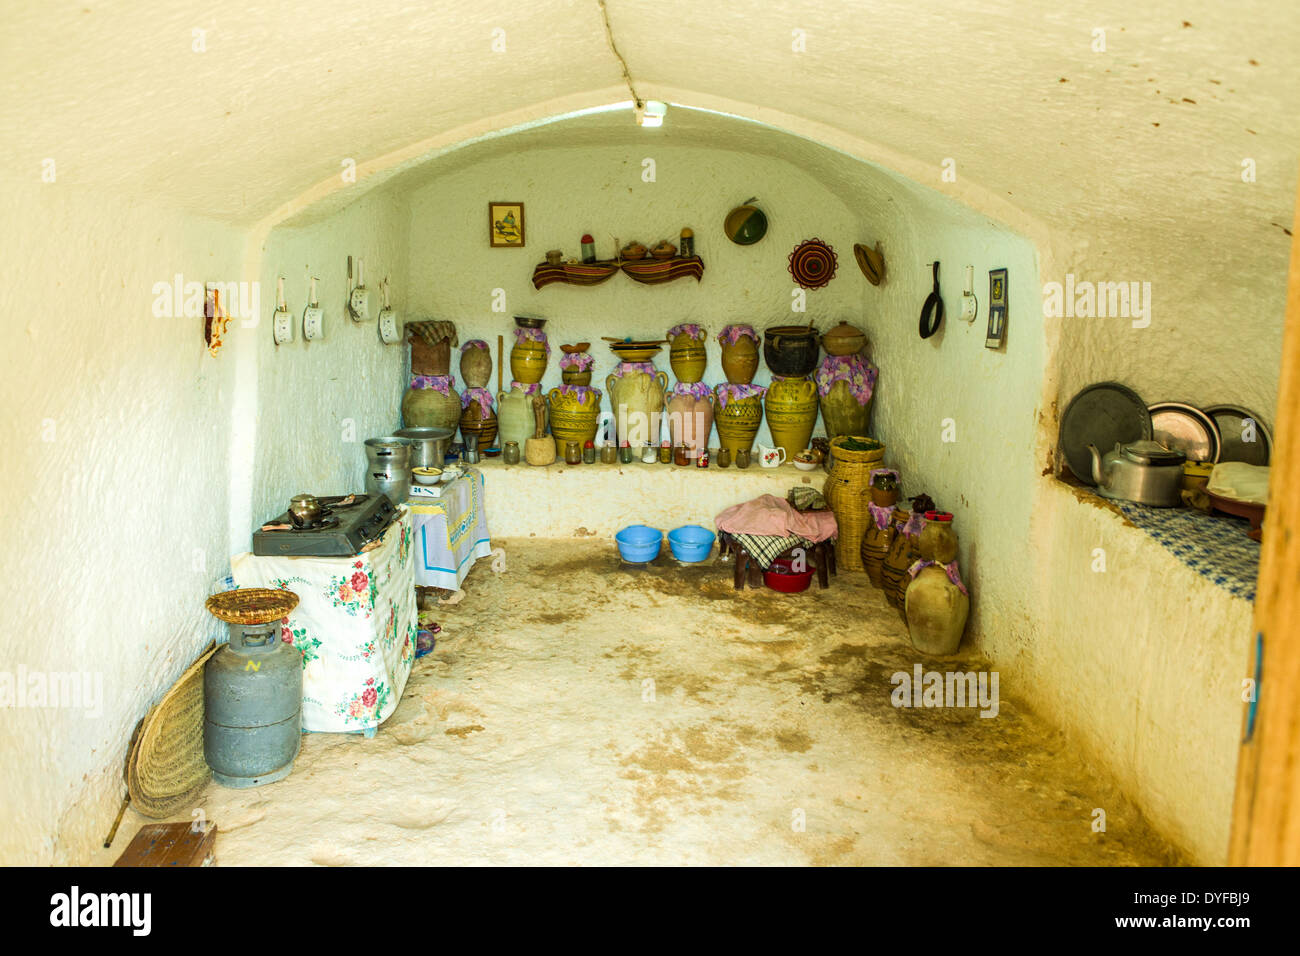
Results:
[539, 450]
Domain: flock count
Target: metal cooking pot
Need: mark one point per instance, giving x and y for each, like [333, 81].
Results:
[388, 467]
[428, 445]
[791, 351]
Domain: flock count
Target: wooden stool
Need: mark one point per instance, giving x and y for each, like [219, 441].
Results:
[823, 554]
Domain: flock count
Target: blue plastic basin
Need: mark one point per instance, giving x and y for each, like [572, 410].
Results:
[638, 543]
[690, 543]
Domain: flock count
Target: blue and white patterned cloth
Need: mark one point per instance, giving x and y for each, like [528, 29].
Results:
[1214, 546]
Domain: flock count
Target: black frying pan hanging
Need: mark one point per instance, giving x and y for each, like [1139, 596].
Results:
[932, 311]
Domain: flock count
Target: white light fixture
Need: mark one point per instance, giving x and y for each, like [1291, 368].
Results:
[650, 113]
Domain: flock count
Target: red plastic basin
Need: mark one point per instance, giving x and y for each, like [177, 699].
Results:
[780, 576]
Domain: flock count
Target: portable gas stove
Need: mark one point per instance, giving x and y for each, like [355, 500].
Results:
[341, 526]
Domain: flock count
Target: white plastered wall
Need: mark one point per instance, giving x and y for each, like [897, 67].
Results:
[115, 478]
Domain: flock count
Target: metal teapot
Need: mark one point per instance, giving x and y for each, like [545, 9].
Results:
[1144, 472]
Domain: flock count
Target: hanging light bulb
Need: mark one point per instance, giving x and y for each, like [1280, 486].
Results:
[650, 113]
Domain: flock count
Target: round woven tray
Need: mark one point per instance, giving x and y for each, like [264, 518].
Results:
[165, 768]
[252, 605]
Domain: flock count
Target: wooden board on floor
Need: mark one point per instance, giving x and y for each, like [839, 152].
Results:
[171, 844]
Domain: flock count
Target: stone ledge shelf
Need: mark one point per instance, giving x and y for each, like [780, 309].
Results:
[579, 501]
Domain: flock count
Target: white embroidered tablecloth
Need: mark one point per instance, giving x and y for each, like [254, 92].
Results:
[354, 623]
[450, 531]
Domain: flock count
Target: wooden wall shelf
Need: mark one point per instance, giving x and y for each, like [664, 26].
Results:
[647, 271]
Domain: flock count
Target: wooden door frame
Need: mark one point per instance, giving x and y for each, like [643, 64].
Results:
[1266, 813]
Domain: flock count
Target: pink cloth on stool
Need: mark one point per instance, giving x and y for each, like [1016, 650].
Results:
[770, 515]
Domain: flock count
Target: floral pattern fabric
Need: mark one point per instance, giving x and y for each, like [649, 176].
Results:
[439, 383]
[686, 328]
[480, 395]
[582, 361]
[532, 335]
[581, 393]
[857, 372]
[634, 368]
[734, 333]
[354, 624]
[693, 389]
[729, 392]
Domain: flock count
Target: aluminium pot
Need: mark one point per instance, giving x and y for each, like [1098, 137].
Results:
[388, 467]
[428, 445]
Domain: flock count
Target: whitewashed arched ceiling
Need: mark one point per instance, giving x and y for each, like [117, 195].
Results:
[1120, 129]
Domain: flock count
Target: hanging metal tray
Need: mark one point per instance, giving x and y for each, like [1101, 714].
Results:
[1103, 415]
[1182, 427]
[1233, 446]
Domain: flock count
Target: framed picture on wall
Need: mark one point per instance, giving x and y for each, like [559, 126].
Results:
[997, 334]
[505, 224]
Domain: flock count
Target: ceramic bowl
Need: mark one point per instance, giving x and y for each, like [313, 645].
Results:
[635, 353]
[491, 452]
[690, 543]
[804, 464]
[426, 476]
[639, 544]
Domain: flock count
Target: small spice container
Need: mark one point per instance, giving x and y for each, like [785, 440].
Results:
[687, 245]
[625, 454]
[649, 455]
[665, 453]
[681, 456]
[608, 453]
[703, 460]
[510, 453]
[723, 458]
[589, 453]
[572, 453]
[588, 249]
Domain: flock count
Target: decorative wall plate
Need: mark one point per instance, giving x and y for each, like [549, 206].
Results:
[1104, 415]
[1237, 441]
[746, 224]
[813, 263]
[1185, 428]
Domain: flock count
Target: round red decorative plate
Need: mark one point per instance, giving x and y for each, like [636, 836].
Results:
[812, 264]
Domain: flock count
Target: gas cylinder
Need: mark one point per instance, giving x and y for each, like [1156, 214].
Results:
[252, 689]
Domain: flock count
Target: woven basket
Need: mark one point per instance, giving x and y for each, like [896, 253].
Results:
[252, 605]
[848, 492]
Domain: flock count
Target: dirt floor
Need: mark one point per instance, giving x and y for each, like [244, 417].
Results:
[581, 711]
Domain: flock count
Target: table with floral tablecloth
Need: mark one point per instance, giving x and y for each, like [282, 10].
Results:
[354, 624]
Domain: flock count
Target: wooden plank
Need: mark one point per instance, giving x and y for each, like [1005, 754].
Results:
[170, 844]
[1266, 814]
